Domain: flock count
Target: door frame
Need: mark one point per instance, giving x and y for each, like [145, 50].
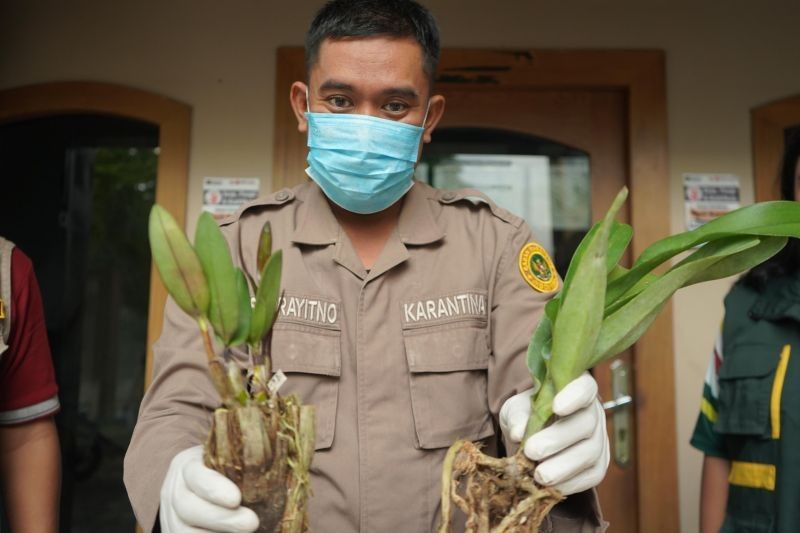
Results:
[641, 75]
[768, 123]
[173, 119]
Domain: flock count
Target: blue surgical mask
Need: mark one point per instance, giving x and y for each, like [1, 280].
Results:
[363, 164]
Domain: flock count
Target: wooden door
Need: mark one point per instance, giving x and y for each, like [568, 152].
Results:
[593, 121]
[611, 107]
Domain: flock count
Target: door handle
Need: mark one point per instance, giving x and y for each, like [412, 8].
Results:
[620, 409]
[619, 403]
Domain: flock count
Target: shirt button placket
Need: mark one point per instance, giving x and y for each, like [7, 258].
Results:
[362, 383]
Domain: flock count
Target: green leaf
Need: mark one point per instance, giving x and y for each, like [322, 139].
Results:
[215, 256]
[551, 307]
[539, 351]
[266, 298]
[742, 261]
[624, 327]
[177, 263]
[245, 310]
[621, 300]
[617, 272]
[618, 240]
[264, 246]
[775, 219]
[578, 324]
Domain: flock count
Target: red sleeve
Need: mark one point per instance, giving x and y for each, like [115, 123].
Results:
[28, 387]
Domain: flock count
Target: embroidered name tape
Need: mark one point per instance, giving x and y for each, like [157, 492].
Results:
[309, 310]
[537, 268]
[468, 304]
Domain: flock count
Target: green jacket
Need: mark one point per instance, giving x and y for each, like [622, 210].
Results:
[758, 414]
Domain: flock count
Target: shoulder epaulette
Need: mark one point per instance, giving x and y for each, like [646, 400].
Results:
[281, 197]
[477, 197]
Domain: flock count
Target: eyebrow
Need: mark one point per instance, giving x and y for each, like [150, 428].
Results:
[334, 85]
[408, 92]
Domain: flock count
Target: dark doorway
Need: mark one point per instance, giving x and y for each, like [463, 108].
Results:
[77, 190]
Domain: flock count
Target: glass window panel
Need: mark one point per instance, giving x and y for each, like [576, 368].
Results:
[114, 329]
[545, 182]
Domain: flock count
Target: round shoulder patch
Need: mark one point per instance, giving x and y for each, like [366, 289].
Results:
[537, 268]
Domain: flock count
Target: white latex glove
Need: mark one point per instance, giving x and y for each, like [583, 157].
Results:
[573, 452]
[196, 499]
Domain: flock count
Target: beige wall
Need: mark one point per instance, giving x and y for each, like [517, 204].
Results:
[723, 58]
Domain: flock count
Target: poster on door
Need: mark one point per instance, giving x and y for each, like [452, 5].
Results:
[223, 196]
[707, 196]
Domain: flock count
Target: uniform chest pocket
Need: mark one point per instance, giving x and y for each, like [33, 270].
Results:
[448, 379]
[312, 361]
[745, 386]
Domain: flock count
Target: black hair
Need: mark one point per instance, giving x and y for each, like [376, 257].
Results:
[787, 261]
[340, 19]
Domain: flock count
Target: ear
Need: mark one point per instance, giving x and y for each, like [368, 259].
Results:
[435, 112]
[299, 102]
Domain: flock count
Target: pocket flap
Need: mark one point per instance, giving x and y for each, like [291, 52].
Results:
[311, 358]
[297, 348]
[751, 361]
[448, 348]
[448, 383]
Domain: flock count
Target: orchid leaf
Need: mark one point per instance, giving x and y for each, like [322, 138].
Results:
[267, 297]
[264, 246]
[641, 285]
[539, 351]
[177, 263]
[773, 219]
[580, 316]
[215, 256]
[569, 339]
[551, 307]
[245, 310]
[742, 261]
[618, 240]
[624, 327]
[617, 272]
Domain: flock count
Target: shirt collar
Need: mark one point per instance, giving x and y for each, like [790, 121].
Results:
[417, 225]
[316, 223]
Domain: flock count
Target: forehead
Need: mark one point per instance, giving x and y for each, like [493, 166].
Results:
[371, 62]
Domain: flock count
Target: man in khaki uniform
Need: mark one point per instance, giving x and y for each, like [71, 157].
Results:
[405, 317]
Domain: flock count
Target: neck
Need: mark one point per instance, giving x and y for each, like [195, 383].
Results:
[368, 233]
[390, 215]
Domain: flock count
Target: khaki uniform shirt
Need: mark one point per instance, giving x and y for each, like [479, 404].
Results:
[400, 361]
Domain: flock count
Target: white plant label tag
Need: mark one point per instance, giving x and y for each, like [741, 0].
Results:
[276, 381]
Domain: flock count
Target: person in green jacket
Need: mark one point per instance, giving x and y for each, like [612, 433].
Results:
[748, 426]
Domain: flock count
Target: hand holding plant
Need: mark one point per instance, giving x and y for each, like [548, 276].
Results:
[602, 309]
[261, 441]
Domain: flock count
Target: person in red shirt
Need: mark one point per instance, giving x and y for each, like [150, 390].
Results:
[30, 460]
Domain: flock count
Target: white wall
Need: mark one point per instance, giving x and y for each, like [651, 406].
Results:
[723, 58]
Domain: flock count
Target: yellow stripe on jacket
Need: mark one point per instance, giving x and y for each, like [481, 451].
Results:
[777, 390]
[708, 410]
[752, 475]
